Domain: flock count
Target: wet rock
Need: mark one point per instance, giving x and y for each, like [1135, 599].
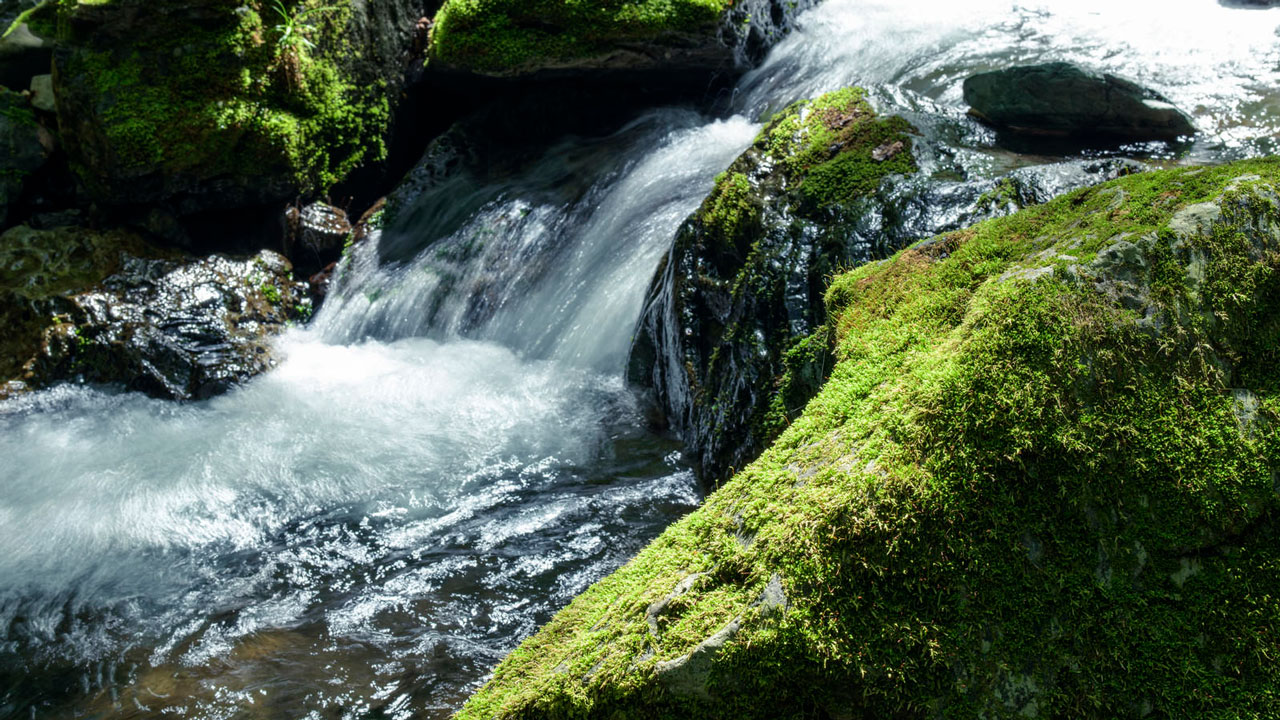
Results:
[96, 307]
[512, 38]
[732, 341]
[959, 536]
[1064, 99]
[723, 338]
[316, 235]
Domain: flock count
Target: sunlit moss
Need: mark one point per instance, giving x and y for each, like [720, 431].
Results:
[223, 96]
[1040, 482]
[507, 35]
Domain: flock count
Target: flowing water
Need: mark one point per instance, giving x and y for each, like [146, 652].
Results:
[448, 453]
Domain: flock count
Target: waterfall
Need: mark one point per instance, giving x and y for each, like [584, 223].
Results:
[448, 453]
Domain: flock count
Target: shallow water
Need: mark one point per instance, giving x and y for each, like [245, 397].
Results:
[448, 454]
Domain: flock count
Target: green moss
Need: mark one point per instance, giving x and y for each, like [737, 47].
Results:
[509, 35]
[41, 20]
[239, 95]
[756, 256]
[270, 292]
[733, 210]
[1040, 482]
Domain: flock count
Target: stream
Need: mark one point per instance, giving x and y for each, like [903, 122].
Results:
[447, 453]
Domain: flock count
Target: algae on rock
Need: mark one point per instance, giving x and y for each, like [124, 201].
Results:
[1041, 482]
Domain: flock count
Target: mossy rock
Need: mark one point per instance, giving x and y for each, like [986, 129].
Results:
[732, 339]
[1041, 482]
[224, 104]
[505, 38]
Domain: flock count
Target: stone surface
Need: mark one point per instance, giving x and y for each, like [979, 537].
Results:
[732, 341]
[86, 306]
[21, 150]
[26, 50]
[42, 93]
[1064, 99]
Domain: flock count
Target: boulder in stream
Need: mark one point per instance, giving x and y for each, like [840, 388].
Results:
[734, 337]
[1041, 476]
[1063, 99]
[724, 341]
[106, 307]
[515, 38]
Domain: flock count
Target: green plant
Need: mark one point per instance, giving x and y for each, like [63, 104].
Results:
[293, 26]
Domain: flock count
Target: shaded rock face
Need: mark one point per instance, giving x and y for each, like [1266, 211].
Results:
[733, 339]
[515, 38]
[97, 307]
[1064, 99]
[992, 509]
[21, 151]
[210, 104]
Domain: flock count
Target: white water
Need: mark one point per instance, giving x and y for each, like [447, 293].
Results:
[448, 454]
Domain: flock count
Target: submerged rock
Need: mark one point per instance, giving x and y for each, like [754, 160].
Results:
[509, 38]
[1063, 99]
[1041, 475]
[86, 306]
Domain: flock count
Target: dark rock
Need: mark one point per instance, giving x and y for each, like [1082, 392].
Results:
[98, 307]
[26, 49]
[21, 150]
[316, 234]
[1065, 100]
[1250, 4]
[731, 339]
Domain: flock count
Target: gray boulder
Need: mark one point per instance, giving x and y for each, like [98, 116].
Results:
[1066, 100]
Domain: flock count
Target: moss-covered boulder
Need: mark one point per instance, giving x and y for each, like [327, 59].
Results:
[727, 338]
[732, 341]
[107, 307]
[1041, 482]
[505, 38]
[224, 103]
